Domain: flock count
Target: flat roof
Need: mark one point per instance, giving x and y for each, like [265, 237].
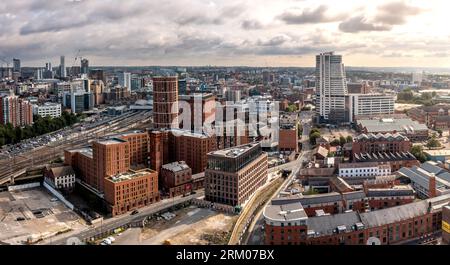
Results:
[233, 151]
[440, 152]
[176, 166]
[111, 141]
[286, 212]
[362, 164]
[129, 175]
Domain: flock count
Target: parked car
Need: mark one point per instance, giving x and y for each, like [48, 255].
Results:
[134, 212]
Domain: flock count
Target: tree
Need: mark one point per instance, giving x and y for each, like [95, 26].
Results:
[440, 132]
[291, 108]
[313, 137]
[335, 142]
[349, 139]
[433, 142]
[313, 130]
[417, 151]
[342, 140]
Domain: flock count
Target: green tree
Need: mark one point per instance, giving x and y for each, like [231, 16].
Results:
[417, 151]
[342, 140]
[439, 131]
[349, 139]
[335, 142]
[313, 137]
[291, 108]
[433, 142]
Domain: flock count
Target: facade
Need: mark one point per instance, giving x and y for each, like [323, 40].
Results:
[79, 101]
[84, 66]
[131, 190]
[191, 148]
[176, 178]
[165, 102]
[288, 139]
[48, 109]
[381, 227]
[202, 109]
[16, 111]
[61, 177]
[234, 174]
[331, 87]
[364, 169]
[376, 143]
[371, 104]
[446, 225]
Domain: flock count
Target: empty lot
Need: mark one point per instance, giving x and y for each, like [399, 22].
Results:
[40, 216]
[192, 226]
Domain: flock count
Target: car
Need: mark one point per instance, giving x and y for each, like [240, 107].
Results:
[134, 212]
[54, 199]
[20, 219]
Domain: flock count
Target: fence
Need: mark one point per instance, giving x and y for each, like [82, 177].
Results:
[59, 196]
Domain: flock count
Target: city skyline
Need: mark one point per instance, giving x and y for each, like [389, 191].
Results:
[232, 33]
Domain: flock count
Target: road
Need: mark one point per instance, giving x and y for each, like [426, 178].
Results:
[121, 220]
[45, 154]
[256, 232]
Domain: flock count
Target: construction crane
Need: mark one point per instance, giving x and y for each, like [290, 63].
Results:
[77, 56]
[5, 61]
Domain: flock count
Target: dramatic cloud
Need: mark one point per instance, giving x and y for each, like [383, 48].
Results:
[388, 15]
[232, 32]
[318, 15]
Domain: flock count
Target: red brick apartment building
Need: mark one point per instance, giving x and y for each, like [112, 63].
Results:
[176, 178]
[288, 224]
[165, 102]
[110, 162]
[131, 190]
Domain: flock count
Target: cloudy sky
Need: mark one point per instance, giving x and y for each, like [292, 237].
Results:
[227, 32]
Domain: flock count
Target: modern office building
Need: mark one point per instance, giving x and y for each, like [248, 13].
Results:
[371, 104]
[84, 66]
[78, 101]
[331, 88]
[124, 80]
[165, 102]
[62, 67]
[16, 65]
[234, 174]
[47, 109]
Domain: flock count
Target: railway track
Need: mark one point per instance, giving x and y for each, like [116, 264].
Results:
[56, 149]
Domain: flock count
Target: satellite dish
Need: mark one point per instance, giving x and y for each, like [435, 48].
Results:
[375, 241]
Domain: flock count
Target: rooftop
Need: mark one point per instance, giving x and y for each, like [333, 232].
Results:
[286, 212]
[111, 141]
[234, 152]
[386, 125]
[381, 136]
[176, 166]
[129, 175]
[362, 165]
[440, 152]
[62, 171]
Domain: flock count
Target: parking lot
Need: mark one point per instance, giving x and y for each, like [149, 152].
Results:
[27, 216]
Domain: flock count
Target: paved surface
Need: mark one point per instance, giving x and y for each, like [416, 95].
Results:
[118, 221]
[256, 232]
[28, 204]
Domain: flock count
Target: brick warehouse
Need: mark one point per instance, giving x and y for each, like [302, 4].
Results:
[288, 224]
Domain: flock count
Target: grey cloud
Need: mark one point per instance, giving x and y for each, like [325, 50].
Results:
[251, 25]
[275, 41]
[359, 23]
[396, 13]
[387, 16]
[308, 16]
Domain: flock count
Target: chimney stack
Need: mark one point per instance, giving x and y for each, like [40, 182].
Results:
[432, 186]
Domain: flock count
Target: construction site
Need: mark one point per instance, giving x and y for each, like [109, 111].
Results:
[187, 226]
